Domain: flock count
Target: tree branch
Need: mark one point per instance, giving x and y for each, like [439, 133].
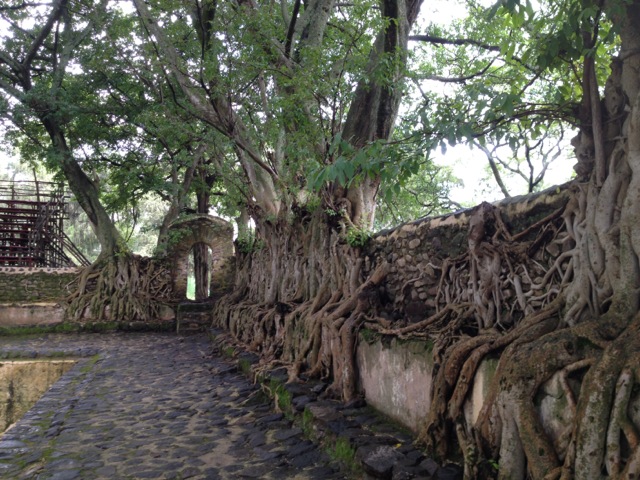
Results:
[54, 16]
[291, 30]
[458, 41]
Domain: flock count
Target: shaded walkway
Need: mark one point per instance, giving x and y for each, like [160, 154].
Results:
[140, 406]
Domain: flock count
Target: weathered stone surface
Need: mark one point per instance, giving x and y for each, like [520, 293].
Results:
[214, 232]
[380, 461]
[152, 406]
[430, 466]
[450, 472]
[22, 383]
[397, 379]
[21, 285]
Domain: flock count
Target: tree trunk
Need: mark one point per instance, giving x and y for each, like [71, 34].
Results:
[303, 297]
[591, 332]
[201, 256]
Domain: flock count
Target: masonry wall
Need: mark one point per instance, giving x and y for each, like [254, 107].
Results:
[396, 376]
[417, 250]
[34, 285]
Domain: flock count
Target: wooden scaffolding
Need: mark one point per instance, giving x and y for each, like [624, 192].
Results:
[32, 218]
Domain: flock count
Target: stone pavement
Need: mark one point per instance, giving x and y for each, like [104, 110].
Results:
[151, 406]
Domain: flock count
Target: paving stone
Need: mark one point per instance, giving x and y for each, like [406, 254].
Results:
[379, 461]
[302, 447]
[286, 434]
[190, 472]
[108, 471]
[273, 417]
[11, 444]
[160, 406]
[450, 472]
[302, 401]
[429, 465]
[257, 439]
[65, 475]
[255, 472]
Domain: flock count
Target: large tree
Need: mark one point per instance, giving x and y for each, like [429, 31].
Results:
[295, 104]
[578, 317]
[79, 97]
[307, 94]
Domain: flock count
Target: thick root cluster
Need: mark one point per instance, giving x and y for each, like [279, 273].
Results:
[123, 288]
[504, 298]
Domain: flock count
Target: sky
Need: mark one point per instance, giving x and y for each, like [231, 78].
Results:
[470, 166]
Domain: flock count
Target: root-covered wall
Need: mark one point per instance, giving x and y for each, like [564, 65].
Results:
[429, 268]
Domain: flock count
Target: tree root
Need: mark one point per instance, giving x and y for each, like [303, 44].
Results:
[124, 288]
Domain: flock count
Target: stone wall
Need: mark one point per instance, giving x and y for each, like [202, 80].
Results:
[214, 232]
[36, 296]
[395, 375]
[416, 251]
[20, 285]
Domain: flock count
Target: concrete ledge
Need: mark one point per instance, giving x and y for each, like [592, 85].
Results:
[366, 442]
[31, 314]
[395, 377]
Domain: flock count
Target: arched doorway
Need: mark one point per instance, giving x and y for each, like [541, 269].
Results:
[199, 273]
[200, 232]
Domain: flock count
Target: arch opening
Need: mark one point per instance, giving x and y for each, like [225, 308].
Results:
[202, 248]
[200, 267]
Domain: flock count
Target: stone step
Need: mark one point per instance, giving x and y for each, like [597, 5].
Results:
[193, 316]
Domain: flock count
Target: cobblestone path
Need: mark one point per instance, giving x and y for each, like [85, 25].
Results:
[151, 406]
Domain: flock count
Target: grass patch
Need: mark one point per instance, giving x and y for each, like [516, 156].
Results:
[90, 363]
[343, 452]
[100, 327]
[244, 366]
[369, 336]
[17, 331]
[93, 327]
[306, 424]
[282, 397]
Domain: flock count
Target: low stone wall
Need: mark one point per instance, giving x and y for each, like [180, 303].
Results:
[396, 378]
[31, 314]
[395, 375]
[417, 250]
[33, 296]
[23, 285]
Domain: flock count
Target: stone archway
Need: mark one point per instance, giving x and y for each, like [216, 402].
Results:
[214, 232]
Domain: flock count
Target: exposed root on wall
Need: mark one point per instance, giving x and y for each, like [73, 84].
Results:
[126, 287]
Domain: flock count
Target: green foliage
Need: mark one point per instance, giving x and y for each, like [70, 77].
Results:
[306, 423]
[351, 166]
[423, 194]
[281, 396]
[342, 451]
[11, 331]
[249, 243]
[229, 352]
[244, 366]
[358, 237]
[176, 235]
[510, 75]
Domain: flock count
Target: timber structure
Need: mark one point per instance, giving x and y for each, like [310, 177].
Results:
[32, 216]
